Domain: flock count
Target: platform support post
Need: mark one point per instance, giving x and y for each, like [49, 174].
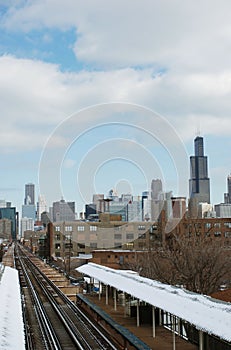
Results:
[160, 318]
[138, 313]
[106, 294]
[115, 296]
[201, 343]
[99, 290]
[153, 322]
[173, 332]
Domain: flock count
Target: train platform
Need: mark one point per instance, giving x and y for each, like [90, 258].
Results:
[163, 339]
[8, 257]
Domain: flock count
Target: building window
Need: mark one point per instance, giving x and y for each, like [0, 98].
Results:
[57, 228]
[121, 258]
[57, 237]
[93, 245]
[208, 225]
[80, 228]
[68, 245]
[81, 245]
[217, 233]
[93, 228]
[227, 234]
[142, 236]
[197, 226]
[217, 224]
[141, 227]
[129, 236]
[57, 246]
[68, 228]
[227, 224]
[118, 245]
[117, 236]
[130, 245]
[67, 237]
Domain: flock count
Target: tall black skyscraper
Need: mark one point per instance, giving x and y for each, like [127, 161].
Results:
[29, 194]
[199, 185]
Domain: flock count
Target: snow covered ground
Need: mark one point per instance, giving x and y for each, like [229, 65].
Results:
[11, 320]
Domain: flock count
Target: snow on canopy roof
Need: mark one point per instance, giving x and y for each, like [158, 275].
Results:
[207, 314]
[11, 319]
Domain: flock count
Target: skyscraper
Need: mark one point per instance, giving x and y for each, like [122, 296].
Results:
[12, 215]
[156, 189]
[227, 195]
[41, 206]
[63, 211]
[29, 194]
[199, 183]
[229, 187]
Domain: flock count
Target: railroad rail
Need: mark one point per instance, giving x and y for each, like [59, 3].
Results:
[56, 322]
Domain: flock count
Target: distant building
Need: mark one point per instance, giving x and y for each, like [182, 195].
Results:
[12, 215]
[223, 210]
[178, 207]
[134, 210]
[227, 196]
[97, 198]
[156, 189]
[5, 229]
[147, 209]
[4, 204]
[146, 205]
[45, 218]
[41, 206]
[29, 211]
[108, 234]
[229, 187]
[26, 224]
[90, 210]
[119, 208]
[81, 237]
[63, 211]
[199, 183]
[29, 194]
[206, 210]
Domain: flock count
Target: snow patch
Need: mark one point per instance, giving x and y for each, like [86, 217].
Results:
[11, 319]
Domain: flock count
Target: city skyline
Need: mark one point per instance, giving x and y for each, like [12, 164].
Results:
[168, 58]
[32, 197]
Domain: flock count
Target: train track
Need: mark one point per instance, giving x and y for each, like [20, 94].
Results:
[53, 322]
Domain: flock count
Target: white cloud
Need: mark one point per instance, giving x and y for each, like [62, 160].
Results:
[169, 34]
[36, 96]
[171, 56]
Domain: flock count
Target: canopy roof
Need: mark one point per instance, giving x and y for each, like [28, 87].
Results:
[209, 315]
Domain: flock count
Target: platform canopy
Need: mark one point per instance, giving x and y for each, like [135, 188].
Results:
[209, 315]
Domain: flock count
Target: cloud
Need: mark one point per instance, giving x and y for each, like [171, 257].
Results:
[171, 35]
[37, 96]
[170, 56]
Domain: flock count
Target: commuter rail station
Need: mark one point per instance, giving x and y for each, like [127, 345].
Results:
[160, 315]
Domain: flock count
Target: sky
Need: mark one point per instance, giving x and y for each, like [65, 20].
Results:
[98, 95]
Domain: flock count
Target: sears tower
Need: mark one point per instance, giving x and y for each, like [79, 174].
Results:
[199, 186]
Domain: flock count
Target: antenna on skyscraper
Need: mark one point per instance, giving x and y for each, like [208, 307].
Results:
[198, 129]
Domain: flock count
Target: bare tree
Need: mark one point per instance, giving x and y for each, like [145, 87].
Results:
[197, 263]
